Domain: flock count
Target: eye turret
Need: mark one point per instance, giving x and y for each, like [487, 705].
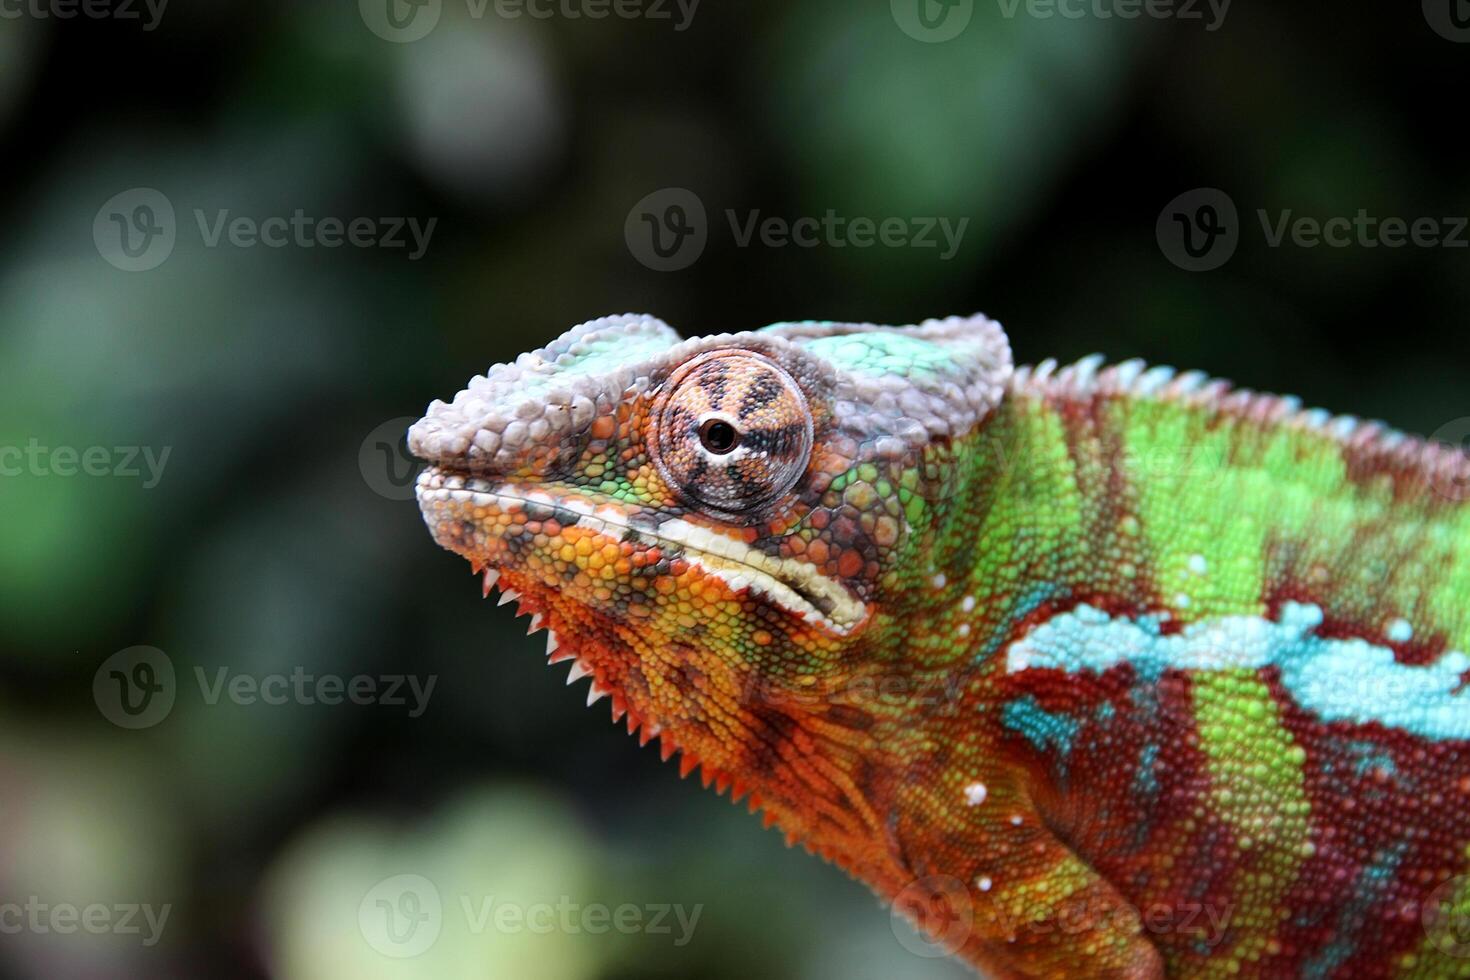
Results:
[732, 431]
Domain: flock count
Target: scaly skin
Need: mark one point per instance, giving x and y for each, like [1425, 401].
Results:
[1095, 673]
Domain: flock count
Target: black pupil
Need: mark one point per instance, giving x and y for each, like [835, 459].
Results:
[718, 436]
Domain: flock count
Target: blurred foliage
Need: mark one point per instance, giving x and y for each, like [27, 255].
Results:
[266, 548]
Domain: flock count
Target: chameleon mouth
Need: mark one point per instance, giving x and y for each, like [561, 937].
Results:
[797, 586]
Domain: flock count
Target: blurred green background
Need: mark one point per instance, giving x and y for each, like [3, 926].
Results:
[277, 537]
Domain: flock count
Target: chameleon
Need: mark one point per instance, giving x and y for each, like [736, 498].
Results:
[1091, 671]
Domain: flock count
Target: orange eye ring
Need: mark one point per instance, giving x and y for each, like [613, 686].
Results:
[732, 431]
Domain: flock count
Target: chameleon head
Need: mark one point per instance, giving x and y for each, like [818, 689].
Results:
[708, 523]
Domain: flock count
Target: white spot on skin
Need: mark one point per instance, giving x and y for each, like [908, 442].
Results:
[1400, 631]
[1198, 565]
[1015, 820]
[964, 629]
[1182, 601]
[968, 603]
[940, 580]
[975, 794]
[984, 883]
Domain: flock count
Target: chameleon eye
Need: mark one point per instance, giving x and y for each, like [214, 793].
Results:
[733, 431]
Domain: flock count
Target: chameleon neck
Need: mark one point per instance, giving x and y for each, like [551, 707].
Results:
[1166, 622]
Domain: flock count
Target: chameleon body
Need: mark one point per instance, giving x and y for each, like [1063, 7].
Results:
[1093, 671]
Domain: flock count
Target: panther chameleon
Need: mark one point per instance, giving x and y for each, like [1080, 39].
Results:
[1094, 671]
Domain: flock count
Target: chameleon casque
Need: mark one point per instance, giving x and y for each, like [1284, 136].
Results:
[1095, 671]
